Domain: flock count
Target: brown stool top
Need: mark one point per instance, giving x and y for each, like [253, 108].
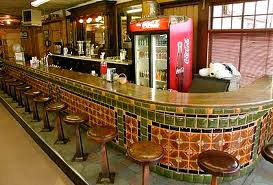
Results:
[42, 99]
[23, 87]
[56, 106]
[145, 151]
[102, 134]
[74, 119]
[32, 92]
[218, 163]
[17, 83]
[267, 152]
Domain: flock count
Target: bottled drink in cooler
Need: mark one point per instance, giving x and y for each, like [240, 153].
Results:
[179, 67]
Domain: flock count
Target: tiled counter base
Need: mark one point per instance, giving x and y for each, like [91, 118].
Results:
[127, 172]
[183, 130]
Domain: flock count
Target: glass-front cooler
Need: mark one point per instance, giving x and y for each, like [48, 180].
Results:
[159, 60]
[142, 61]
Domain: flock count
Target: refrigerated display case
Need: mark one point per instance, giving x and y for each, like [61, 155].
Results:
[163, 52]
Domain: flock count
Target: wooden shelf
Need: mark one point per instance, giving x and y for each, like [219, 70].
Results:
[53, 20]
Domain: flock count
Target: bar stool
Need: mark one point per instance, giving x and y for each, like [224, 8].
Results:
[103, 134]
[7, 82]
[267, 153]
[2, 78]
[19, 90]
[218, 164]
[14, 85]
[145, 152]
[77, 120]
[56, 107]
[29, 95]
[44, 100]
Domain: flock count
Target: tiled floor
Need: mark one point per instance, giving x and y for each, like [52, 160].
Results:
[128, 173]
[22, 160]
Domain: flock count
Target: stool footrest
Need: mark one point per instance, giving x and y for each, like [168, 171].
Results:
[49, 129]
[61, 142]
[79, 158]
[103, 178]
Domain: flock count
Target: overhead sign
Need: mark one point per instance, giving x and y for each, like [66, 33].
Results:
[161, 24]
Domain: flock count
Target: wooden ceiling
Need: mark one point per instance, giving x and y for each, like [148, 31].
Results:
[15, 7]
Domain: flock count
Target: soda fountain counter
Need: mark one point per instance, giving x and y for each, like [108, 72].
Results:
[185, 124]
[87, 64]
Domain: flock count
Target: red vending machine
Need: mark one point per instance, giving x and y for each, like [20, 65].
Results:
[163, 52]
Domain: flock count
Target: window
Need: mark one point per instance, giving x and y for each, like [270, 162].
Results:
[242, 34]
[247, 15]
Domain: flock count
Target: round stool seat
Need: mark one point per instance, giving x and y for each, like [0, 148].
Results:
[74, 119]
[41, 99]
[32, 92]
[267, 153]
[218, 163]
[23, 87]
[102, 134]
[145, 151]
[56, 106]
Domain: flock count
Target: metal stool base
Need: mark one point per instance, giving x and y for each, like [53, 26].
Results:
[47, 129]
[61, 142]
[80, 158]
[102, 179]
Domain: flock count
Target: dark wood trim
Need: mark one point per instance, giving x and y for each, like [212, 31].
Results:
[178, 3]
[202, 43]
[241, 31]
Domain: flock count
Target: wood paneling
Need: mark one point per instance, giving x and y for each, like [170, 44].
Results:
[11, 36]
[192, 12]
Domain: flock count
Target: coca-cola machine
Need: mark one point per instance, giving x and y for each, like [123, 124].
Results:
[162, 50]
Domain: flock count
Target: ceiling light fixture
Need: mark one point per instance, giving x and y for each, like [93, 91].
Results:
[137, 10]
[89, 20]
[8, 22]
[81, 21]
[37, 3]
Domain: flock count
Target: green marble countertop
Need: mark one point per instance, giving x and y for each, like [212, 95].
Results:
[258, 93]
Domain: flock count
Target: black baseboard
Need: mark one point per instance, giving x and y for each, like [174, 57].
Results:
[45, 147]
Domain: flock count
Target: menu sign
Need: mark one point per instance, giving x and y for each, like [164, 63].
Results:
[161, 24]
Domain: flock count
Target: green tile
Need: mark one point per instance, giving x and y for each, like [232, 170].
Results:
[207, 179]
[114, 102]
[120, 112]
[138, 103]
[120, 125]
[120, 120]
[254, 109]
[121, 142]
[125, 106]
[137, 110]
[131, 109]
[242, 120]
[200, 111]
[227, 179]
[144, 138]
[180, 121]
[249, 118]
[218, 111]
[120, 104]
[213, 123]
[168, 173]
[198, 178]
[233, 121]
[160, 170]
[169, 119]
[171, 109]
[160, 108]
[228, 111]
[188, 177]
[144, 122]
[245, 109]
[109, 101]
[144, 113]
[151, 115]
[144, 131]
[188, 110]
[178, 176]
[160, 118]
[120, 135]
[190, 122]
[202, 123]
[223, 122]
[103, 99]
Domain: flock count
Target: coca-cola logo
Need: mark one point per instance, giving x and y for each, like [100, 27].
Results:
[149, 24]
[187, 51]
[179, 70]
